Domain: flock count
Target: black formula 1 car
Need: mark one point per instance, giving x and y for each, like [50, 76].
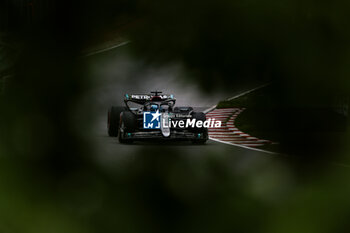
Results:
[155, 117]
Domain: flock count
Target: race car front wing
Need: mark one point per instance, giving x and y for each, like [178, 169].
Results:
[174, 134]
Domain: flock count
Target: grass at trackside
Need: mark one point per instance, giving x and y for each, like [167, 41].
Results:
[302, 129]
[258, 98]
[258, 117]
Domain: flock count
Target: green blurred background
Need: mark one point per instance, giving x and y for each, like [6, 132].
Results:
[50, 179]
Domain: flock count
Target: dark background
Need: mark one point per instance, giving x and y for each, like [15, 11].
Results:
[49, 179]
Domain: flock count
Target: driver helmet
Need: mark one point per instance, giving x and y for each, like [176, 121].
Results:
[154, 107]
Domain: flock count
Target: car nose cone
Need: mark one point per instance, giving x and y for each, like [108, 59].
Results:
[165, 125]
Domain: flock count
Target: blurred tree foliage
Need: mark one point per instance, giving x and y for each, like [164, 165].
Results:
[48, 179]
[302, 47]
[302, 44]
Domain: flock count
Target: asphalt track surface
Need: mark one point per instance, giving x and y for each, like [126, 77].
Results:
[114, 73]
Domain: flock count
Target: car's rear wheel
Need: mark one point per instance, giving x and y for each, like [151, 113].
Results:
[183, 109]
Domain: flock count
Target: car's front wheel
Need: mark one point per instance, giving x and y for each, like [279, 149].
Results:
[123, 136]
[202, 138]
[201, 134]
[128, 125]
[113, 118]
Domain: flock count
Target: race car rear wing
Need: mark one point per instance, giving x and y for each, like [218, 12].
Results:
[144, 98]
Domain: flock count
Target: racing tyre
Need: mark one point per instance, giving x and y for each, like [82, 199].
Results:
[183, 109]
[203, 139]
[128, 124]
[199, 116]
[113, 119]
[203, 131]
